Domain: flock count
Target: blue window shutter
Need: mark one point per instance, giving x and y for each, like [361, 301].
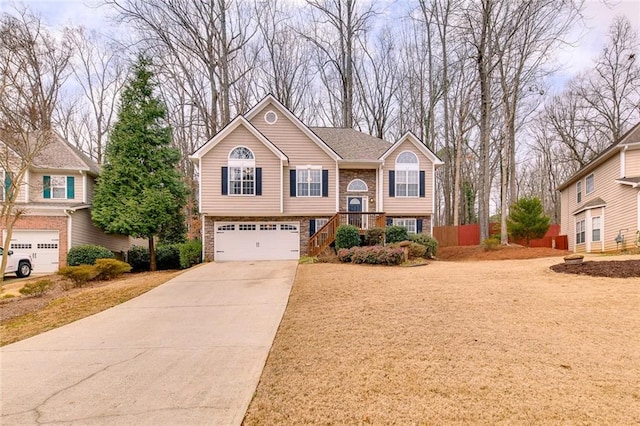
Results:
[46, 186]
[392, 183]
[325, 183]
[419, 226]
[71, 188]
[312, 227]
[258, 180]
[292, 182]
[389, 221]
[7, 184]
[422, 174]
[225, 180]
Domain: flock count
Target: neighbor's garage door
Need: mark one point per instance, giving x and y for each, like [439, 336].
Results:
[257, 240]
[43, 246]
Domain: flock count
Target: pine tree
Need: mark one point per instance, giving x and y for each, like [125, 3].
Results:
[139, 191]
[527, 219]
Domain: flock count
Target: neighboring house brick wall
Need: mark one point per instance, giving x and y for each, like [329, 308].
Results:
[58, 223]
[368, 176]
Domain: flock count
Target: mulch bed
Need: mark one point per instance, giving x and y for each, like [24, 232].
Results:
[609, 269]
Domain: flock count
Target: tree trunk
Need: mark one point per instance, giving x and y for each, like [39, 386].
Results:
[152, 255]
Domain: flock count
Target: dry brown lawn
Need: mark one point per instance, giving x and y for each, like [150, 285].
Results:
[502, 342]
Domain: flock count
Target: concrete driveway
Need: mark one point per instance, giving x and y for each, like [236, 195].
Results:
[189, 352]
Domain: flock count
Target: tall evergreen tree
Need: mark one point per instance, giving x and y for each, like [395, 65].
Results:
[527, 219]
[140, 189]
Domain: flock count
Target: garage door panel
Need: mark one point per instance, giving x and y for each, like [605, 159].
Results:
[257, 241]
[42, 245]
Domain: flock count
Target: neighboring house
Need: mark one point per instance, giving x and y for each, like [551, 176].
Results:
[56, 199]
[600, 204]
[273, 188]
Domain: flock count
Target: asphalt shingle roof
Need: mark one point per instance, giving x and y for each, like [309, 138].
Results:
[351, 144]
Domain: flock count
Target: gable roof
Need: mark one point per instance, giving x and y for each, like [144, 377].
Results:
[295, 120]
[59, 154]
[351, 144]
[234, 124]
[631, 137]
[409, 136]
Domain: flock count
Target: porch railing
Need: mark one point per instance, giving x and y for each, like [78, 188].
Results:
[326, 235]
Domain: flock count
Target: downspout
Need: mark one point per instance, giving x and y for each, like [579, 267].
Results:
[68, 212]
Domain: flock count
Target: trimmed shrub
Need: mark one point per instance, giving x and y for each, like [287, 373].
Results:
[374, 255]
[430, 243]
[87, 254]
[190, 253]
[490, 244]
[395, 234]
[79, 274]
[111, 268]
[374, 237]
[168, 257]
[139, 259]
[36, 288]
[416, 250]
[347, 236]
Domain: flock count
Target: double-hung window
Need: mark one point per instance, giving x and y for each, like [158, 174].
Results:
[242, 172]
[58, 187]
[407, 175]
[409, 224]
[580, 232]
[595, 228]
[309, 182]
[589, 184]
[579, 191]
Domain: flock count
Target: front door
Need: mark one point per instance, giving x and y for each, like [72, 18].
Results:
[356, 204]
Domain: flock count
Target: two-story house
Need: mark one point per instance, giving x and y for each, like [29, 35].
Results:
[55, 197]
[273, 188]
[600, 203]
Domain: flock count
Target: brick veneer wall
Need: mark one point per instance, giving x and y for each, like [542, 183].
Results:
[51, 223]
[368, 176]
[209, 229]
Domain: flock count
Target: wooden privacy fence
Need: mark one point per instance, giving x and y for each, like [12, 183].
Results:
[469, 235]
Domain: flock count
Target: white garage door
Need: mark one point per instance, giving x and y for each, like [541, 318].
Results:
[257, 240]
[43, 246]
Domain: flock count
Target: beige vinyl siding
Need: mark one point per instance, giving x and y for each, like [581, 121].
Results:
[620, 212]
[408, 205]
[212, 200]
[83, 231]
[632, 163]
[36, 194]
[91, 185]
[301, 151]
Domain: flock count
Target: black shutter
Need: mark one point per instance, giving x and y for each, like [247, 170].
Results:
[312, 227]
[392, 183]
[225, 179]
[389, 221]
[422, 183]
[419, 226]
[258, 180]
[325, 183]
[292, 182]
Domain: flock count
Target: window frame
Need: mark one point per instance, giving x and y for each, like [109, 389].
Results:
[357, 181]
[580, 231]
[586, 184]
[401, 221]
[407, 176]
[579, 191]
[53, 187]
[245, 169]
[320, 222]
[594, 229]
[308, 181]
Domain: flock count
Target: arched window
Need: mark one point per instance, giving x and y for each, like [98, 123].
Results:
[357, 185]
[242, 171]
[407, 175]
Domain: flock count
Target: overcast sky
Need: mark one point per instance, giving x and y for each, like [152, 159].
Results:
[589, 36]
